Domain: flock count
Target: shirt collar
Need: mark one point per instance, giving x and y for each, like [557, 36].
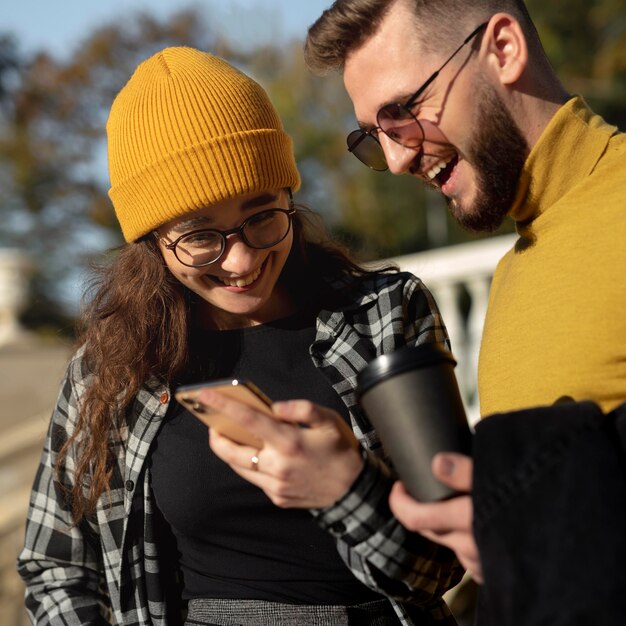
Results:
[566, 152]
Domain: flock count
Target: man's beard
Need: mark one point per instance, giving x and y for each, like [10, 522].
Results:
[497, 152]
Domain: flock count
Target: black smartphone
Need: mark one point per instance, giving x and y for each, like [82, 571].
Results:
[242, 390]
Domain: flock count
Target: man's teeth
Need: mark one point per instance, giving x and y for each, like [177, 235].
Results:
[244, 281]
[433, 171]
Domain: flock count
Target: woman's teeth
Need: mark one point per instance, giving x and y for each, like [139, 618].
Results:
[433, 171]
[242, 281]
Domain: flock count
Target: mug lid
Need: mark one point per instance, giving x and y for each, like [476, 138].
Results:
[407, 358]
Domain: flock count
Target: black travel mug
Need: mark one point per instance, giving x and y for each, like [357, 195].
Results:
[412, 398]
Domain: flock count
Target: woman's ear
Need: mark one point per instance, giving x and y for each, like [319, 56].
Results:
[506, 48]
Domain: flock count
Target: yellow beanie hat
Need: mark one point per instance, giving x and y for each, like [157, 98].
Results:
[189, 130]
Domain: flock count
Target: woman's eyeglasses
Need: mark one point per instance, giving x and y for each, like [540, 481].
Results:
[397, 121]
[199, 248]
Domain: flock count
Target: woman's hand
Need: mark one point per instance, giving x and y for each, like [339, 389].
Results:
[310, 457]
[448, 522]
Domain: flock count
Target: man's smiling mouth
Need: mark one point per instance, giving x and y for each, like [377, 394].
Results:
[441, 170]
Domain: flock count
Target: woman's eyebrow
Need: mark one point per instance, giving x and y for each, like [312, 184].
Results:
[199, 221]
[261, 200]
[205, 221]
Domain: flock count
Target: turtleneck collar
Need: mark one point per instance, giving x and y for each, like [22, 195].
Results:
[566, 152]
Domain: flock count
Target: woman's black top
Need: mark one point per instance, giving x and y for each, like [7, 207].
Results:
[231, 540]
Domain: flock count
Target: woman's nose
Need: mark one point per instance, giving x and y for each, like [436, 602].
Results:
[238, 256]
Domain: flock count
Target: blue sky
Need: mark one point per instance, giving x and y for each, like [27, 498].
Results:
[59, 26]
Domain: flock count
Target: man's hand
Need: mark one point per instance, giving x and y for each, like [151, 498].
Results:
[309, 459]
[448, 522]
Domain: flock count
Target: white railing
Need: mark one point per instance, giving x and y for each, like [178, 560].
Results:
[459, 277]
[15, 269]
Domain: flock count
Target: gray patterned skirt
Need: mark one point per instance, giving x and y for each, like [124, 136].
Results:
[261, 613]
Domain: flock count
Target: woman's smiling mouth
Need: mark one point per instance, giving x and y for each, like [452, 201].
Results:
[240, 281]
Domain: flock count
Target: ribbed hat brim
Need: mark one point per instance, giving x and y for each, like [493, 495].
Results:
[224, 167]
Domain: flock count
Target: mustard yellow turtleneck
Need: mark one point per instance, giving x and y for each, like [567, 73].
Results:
[556, 321]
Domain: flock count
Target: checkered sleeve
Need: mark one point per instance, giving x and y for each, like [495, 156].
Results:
[422, 320]
[59, 562]
[378, 549]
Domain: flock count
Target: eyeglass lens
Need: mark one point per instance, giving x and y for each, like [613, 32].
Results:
[262, 230]
[399, 124]
[367, 150]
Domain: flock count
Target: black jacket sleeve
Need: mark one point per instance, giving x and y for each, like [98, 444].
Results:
[550, 516]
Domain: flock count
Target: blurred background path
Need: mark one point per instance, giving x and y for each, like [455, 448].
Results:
[30, 373]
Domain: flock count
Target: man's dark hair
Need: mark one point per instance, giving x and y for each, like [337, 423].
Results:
[347, 24]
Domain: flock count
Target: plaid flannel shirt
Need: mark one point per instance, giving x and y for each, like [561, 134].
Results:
[106, 569]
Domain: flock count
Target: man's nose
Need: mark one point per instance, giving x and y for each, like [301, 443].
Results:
[399, 158]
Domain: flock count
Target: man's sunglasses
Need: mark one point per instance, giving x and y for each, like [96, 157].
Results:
[397, 121]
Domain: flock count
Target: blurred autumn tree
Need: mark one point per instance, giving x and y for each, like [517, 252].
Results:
[586, 42]
[53, 177]
[53, 200]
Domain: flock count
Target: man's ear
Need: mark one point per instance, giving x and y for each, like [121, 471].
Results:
[506, 48]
